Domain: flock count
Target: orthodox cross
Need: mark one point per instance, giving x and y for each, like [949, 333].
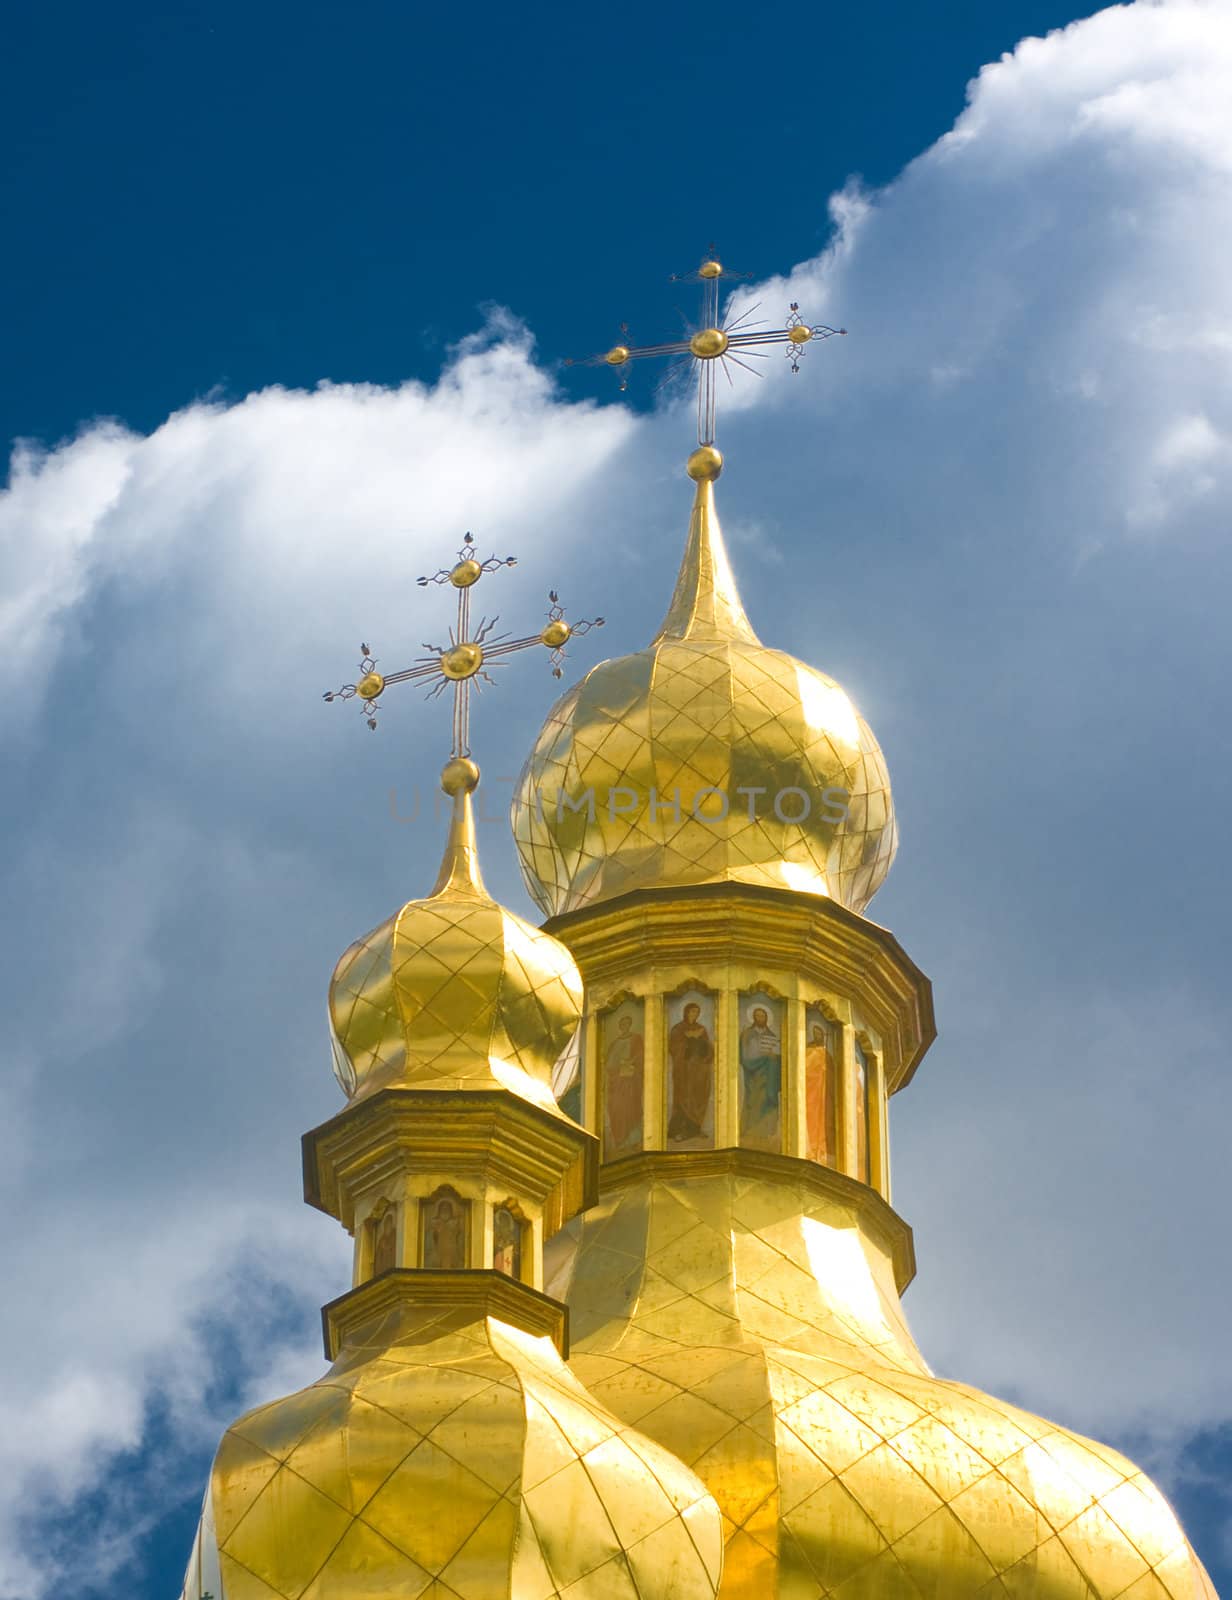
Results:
[470, 652]
[715, 341]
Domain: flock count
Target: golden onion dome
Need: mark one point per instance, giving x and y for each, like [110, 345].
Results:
[454, 991]
[705, 758]
[450, 1456]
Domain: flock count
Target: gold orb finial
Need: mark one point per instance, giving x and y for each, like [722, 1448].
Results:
[710, 269]
[557, 633]
[709, 343]
[461, 660]
[617, 355]
[466, 572]
[460, 776]
[369, 686]
[705, 464]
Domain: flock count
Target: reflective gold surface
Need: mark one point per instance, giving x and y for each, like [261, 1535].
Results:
[706, 707]
[397, 1148]
[459, 774]
[708, 343]
[743, 1311]
[462, 661]
[732, 1289]
[556, 633]
[444, 1455]
[465, 573]
[704, 462]
[454, 991]
[370, 686]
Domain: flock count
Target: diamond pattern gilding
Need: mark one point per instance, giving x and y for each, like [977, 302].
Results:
[459, 1499]
[287, 1533]
[756, 1419]
[692, 714]
[362, 1565]
[883, 1481]
[447, 986]
[428, 1471]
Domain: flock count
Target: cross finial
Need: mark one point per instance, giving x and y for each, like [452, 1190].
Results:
[714, 341]
[470, 652]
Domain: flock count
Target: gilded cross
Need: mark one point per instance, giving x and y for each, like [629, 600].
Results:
[471, 650]
[715, 342]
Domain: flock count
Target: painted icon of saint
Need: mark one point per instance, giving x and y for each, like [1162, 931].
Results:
[761, 1070]
[691, 1052]
[385, 1246]
[819, 1091]
[445, 1233]
[507, 1242]
[624, 1085]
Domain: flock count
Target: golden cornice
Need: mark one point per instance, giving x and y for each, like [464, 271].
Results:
[881, 1222]
[490, 1135]
[463, 1297]
[723, 923]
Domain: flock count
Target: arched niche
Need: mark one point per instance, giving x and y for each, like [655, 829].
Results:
[444, 1230]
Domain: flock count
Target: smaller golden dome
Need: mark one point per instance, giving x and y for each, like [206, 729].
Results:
[454, 991]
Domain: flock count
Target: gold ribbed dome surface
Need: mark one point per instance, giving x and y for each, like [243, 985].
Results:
[745, 1314]
[705, 758]
[450, 1458]
[454, 991]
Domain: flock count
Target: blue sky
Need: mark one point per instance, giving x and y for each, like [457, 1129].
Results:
[220, 197]
[997, 512]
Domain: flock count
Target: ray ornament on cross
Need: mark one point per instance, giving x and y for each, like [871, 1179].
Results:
[471, 650]
[714, 343]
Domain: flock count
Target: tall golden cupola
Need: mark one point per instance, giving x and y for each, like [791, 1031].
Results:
[735, 1292]
[705, 758]
[448, 1451]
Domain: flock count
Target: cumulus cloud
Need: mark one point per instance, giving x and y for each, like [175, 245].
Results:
[998, 512]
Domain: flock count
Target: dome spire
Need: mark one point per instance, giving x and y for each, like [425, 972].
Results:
[706, 603]
[459, 877]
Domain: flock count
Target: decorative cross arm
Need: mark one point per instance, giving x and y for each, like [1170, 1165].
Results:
[470, 650]
[715, 341]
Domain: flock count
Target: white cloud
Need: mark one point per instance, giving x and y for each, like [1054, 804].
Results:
[1038, 372]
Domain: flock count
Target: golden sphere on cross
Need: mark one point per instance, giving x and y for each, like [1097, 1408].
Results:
[708, 344]
[555, 634]
[370, 686]
[459, 776]
[465, 573]
[705, 464]
[801, 334]
[710, 269]
[461, 661]
[617, 355]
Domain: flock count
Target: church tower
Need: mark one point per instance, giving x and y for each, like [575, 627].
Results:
[625, 1320]
[448, 1451]
[704, 823]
